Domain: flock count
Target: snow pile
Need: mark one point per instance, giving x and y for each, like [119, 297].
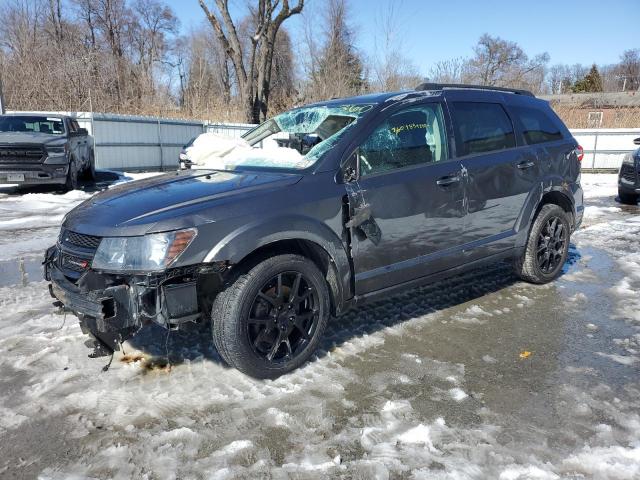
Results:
[208, 149]
[213, 151]
[35, 210]
[597, 185]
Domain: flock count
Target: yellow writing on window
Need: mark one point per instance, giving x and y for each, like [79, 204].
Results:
[407, 127]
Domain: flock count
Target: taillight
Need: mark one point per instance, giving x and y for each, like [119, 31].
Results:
[580, 153]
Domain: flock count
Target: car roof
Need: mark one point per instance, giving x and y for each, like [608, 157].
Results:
[421, 90]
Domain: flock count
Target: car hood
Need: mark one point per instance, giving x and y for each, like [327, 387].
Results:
[31, 137]
[170, 201]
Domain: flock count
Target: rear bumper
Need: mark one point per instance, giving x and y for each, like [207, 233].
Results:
[578, 205]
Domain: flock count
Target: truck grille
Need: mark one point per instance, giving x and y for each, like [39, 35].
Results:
[628, 172]
[17, 154]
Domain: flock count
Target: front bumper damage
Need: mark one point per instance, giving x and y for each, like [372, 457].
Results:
[113, 307]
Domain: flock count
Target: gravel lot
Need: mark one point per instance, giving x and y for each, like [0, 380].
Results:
[479, 376]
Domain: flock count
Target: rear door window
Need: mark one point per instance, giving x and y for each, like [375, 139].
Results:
[481, 128]
[412, 136]
[537, 126]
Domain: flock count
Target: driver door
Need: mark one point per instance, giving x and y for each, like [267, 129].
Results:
[407, 200]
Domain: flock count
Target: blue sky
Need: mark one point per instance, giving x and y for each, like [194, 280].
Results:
[585, 31]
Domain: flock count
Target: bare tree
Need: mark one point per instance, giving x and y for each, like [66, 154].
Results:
[448, 71]
[338, 70]
[391, 69]
[252, 67]
[499, 62]
[629, 69]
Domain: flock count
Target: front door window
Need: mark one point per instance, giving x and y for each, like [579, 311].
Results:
[412, 136]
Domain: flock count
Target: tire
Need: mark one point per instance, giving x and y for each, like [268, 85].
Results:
[249, 316]
[627, 198]
[90, 170]
[71, 182]
[535, 265]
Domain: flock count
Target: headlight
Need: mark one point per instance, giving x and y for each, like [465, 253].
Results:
[151, 252]
[57, 155]
[55, 151]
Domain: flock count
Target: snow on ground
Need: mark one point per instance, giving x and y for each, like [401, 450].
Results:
[479, 376]
[29, 221]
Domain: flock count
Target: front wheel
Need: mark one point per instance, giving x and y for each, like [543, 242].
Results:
[627, 198]
[90, 169]
[270, 319]
[547, 246]
[71, 183]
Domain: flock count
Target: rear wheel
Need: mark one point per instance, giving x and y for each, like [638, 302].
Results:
[270, 319]
[547, 247]
[627, 198]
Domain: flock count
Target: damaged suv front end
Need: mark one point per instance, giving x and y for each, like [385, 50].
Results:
[116, 284]
[160, 249]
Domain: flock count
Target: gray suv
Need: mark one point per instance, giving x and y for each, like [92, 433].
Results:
[326, 207]
[38, 149]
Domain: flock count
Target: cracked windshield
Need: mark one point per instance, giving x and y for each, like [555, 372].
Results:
[292, 140]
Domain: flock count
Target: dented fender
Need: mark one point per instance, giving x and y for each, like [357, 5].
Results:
[240, 243]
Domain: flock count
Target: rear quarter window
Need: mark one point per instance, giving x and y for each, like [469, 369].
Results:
[537, 125]
[481, 128]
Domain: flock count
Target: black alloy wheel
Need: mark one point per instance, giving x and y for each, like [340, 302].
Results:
[551, 245]
[283, 317]
[547, 246]
[270, 316]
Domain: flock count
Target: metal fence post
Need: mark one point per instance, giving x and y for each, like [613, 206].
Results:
[160, 144]
[2, 107]
[595, 150]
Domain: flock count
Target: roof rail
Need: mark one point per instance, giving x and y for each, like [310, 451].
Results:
[442, 86]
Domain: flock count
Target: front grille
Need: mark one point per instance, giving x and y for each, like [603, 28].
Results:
[76, 253]
[628, 172]
[80, 240]
[16, 154]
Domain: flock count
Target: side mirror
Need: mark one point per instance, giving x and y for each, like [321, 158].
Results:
[637, 141]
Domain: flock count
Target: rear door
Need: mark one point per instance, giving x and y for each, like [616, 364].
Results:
[499, 171]
[407, 206]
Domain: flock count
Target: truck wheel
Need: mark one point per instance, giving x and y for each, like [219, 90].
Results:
[72, 177]
[547, 247]
[90, 169]
[627, 198]
[269, 320]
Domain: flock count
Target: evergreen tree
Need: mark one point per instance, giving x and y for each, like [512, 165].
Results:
[592, 82]
[339, 70]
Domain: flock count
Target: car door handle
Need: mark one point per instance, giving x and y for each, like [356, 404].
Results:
[525, 165]
[449, 180]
